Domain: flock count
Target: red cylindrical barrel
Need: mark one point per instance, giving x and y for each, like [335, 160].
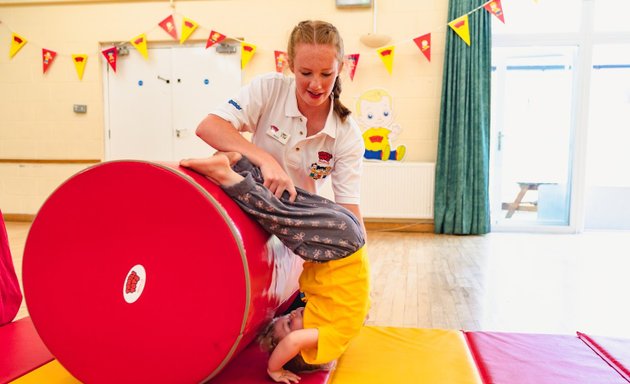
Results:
[146, 272]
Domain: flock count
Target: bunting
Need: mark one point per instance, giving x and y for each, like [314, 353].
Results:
[48, 57]
[460, 26]
[214, 38]
[140, 43]
[168, 25]
[188, 27]
[79, 64]
[17, 42]
[424, 44]
[352, 61]
[496, 9]
[111, 55]
[247, 51]
[387, 55]
[281, 61]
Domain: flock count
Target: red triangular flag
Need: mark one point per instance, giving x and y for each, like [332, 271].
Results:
[281, 61]
[168, 25]
[353, 61]
[424, 43]
[111, 55]
[48, 57]
[496, 9]
[214, 38]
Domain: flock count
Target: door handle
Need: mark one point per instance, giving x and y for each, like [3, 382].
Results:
[163, 79]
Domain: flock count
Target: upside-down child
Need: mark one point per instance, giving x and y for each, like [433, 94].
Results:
[335, 279]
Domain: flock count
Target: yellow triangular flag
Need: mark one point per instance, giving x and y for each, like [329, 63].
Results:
[188, 27]
[247, 51]
[387, 55]
[79, 64]
[17, 42]
[460, 26]
[140, 43]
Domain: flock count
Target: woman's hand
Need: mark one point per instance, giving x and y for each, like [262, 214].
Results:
[283, 376]
[277, 180]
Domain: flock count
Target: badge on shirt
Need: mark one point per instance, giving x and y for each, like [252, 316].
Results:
[277, 134]
[322, 168]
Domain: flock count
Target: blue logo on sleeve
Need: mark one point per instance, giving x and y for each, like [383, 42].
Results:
[235, 104]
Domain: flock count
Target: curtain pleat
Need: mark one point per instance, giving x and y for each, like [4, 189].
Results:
[462, 203]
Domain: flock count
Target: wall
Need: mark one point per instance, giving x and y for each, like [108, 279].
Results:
[37, 123]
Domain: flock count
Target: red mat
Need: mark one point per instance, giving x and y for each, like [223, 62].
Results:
[10, 294]
[250, 367]
[21, 350]
[143, 272]
[514, 358]
[614, 351]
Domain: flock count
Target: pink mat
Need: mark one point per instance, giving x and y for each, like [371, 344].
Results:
[10, 294]
[250, 367]
[22, 350]
[616, 352]
[514, 358]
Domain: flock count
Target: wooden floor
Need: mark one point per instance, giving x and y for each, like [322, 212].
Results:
[498, 282]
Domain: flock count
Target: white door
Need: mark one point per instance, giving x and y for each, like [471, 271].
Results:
[153, 106]
[531, 136]
[202, 79]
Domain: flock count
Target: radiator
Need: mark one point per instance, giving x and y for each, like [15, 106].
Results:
[395, 190]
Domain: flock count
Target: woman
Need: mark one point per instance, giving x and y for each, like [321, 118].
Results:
[301, 132]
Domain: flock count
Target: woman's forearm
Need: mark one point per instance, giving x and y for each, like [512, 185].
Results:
[222, 136]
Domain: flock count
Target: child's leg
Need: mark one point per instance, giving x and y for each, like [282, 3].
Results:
[313, 227]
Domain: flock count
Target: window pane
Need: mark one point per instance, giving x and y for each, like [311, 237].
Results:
[534, 88]
[546, 16]
[608, 179]
[611, 16]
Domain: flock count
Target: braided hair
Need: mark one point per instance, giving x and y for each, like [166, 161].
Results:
[322, 33]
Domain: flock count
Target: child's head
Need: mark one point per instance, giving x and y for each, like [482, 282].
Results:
[277, 330]
[280, 327]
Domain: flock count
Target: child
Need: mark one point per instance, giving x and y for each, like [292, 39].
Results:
[335, 279]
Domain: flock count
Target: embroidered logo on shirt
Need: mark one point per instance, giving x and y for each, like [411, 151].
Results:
[321, 168]
[235, 104]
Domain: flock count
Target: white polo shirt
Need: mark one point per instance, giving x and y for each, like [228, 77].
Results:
[267, 107]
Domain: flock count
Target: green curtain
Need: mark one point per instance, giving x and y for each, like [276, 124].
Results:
[462, 203]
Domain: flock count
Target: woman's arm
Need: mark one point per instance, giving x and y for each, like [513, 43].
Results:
[287, 349]
[221, 135]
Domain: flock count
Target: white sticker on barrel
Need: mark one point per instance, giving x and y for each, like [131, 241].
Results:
[134, 283]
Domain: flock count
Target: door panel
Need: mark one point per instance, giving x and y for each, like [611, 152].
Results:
[155, 105]
[203, 79]
[139, 107]
[532, 104]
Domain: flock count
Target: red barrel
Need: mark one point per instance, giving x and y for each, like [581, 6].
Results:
[144, 272]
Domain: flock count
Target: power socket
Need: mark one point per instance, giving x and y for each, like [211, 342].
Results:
[80, 108]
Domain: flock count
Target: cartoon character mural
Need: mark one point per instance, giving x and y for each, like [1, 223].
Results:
[376, 118]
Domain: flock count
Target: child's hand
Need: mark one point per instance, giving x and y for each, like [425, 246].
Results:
[283, 376]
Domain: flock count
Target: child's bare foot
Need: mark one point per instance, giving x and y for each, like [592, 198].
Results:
[216, 168]
[234, 157]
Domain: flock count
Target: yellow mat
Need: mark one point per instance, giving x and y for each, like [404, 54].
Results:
[406, 355]
[51, 373]
[378, 355]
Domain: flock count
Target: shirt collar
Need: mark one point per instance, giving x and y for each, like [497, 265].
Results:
[291, 110]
